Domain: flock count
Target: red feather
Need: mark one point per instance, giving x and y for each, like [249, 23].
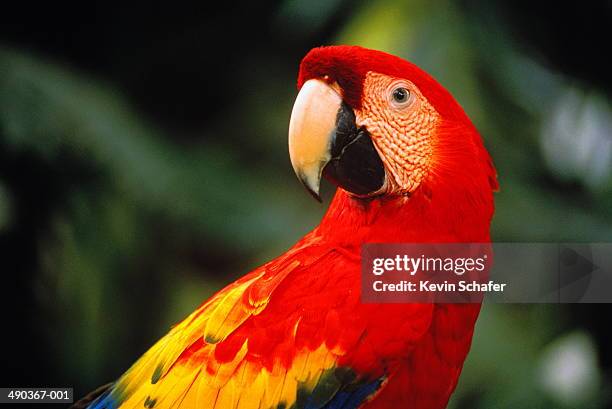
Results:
[300, 316]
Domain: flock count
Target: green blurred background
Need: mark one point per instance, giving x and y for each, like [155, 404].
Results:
[143, 165]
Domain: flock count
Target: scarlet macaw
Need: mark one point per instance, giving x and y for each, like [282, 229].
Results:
[293, 333]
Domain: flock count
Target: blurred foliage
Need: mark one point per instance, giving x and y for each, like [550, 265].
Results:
[129, 193]
[119, 220]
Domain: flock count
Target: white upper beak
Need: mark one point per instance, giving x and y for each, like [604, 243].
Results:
[311, 130]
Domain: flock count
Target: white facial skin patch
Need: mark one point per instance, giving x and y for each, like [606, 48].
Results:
[402, 126]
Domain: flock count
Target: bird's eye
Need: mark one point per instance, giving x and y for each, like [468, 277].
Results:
[401, 95]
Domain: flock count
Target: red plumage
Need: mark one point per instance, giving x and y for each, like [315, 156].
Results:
[454, 203]
[294, 331]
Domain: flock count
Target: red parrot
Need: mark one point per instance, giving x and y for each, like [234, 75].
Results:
[293, 333]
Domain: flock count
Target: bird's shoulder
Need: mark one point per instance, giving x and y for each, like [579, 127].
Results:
[288, 334]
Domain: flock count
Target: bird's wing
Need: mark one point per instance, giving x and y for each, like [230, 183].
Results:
[273, 339]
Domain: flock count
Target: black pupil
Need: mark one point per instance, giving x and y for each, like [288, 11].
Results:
[400, 94]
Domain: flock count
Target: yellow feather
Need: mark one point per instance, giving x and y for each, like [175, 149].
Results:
[201, 381]
[228, 314]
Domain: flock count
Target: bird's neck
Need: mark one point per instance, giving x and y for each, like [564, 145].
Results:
[421, 217]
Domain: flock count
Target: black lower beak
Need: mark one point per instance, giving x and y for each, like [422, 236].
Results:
[355, 164]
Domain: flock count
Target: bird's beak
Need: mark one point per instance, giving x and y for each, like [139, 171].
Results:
[324, 140]
[311, 130]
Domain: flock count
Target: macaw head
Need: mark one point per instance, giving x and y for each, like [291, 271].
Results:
[379, 126]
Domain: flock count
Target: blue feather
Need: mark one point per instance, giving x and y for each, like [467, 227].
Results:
[354, 398]
[104, 401]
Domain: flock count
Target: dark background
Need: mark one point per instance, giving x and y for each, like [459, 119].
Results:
[143, 165]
